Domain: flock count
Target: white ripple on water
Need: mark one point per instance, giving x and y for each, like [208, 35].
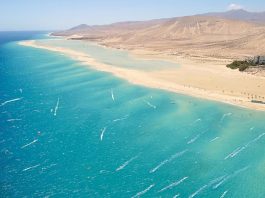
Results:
[173, 184]
[56, 107]
[212, 140]
[120, 119]
[198, 191]
[196, 121]
[26, 145]
[126, 163]
[149, 104]
[112, 95]
[240, 149]
[211, 183]
[12, 120]
[234, 152]
[9, 101]
[31, 167]
[230, 176]
[192, 140]
[177, 195]
[224, 116]
[102, 133]
[224, 194]
[168, 160]
[49, 166]
[144, 191]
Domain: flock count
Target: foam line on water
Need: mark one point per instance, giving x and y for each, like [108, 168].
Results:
[212, 140]
[49, 166]
[26, 145]
[31, 167]
[112, 95]
[234, 152]
[224, 194]
[56, 107]
[9, 101]
[230, 176]
[12, 120]
[196, 121]
[168, 160]
[149, 104]
[211, 183]
[173, 184]
[144, 191]
[198, 191]
[102, 133]
[240, 149]
[224, 116]
[126, 163]
[120, 119]
[192, 140]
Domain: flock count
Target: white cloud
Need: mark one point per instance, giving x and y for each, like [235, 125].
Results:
[234, 6]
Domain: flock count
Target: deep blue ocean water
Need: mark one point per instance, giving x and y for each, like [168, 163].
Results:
[70, 131]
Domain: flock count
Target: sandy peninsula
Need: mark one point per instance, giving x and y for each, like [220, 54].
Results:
[197, 77]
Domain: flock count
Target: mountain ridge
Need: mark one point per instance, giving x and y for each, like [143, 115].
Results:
[195, 34]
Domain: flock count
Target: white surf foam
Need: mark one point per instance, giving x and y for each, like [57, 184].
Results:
[102, 133]
[214, 139]
[26, 145]
[225, 115]
[112, 95]
[240, 149]
[198, 191]
[144, 191]
[149, 104]
[235, 152]
[173, 184]
[224, 194]
[126, 163]
[193, 139]
[31, 167]
[168, 160]
[120, 119]
[56, 107]
[9, 101]
[12, 120]
[230, 176]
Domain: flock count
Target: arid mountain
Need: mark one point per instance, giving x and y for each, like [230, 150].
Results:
[212, 36]
[256, 17]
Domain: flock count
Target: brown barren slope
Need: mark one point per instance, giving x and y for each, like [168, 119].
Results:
[193, 36]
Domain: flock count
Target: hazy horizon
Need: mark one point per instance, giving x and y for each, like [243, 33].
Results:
[50, 15]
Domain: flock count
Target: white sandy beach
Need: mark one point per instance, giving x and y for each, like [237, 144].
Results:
[208, 79]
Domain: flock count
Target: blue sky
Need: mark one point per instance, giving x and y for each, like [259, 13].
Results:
[63, 14]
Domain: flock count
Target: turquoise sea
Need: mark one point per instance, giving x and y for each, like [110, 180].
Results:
[67, 130]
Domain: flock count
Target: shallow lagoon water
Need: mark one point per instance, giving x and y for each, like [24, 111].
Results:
[74, 131]
[110, 56]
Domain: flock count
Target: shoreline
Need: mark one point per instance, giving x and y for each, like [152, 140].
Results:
[205, 80]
